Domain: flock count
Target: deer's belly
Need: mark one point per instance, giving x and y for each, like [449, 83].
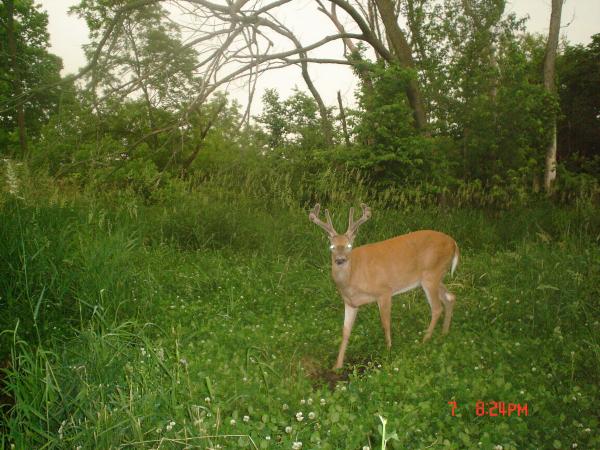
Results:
[356, 298]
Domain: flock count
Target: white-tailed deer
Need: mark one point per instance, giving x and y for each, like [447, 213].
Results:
[376, 272]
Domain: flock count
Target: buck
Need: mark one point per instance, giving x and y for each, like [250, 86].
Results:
[376, 272]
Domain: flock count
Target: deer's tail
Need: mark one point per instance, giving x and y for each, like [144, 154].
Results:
[455, 259]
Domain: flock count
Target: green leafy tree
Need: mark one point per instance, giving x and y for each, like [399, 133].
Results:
[578, 71]
[483, 85]
[146, 63]
[388, 147]
[29, 74]
[294, 123]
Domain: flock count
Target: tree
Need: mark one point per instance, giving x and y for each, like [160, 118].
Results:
[293, 122]
[29, 74]
[549, 84]
[578, 127]
[403, 53]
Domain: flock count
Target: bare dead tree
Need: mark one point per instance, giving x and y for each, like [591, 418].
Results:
[237, 41]
[549, 84]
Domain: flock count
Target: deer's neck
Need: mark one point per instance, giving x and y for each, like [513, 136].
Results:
[341, 274]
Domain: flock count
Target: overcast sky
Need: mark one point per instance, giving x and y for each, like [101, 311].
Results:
[580, 20]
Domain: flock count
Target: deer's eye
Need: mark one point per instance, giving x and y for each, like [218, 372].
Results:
[331, 247]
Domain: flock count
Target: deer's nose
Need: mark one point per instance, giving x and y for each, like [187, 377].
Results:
[340, 260]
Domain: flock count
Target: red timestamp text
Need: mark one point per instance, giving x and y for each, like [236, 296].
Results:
[495, 409]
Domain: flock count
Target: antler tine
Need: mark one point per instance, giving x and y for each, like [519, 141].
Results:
[315, 211]
[353, 226]
[351, 217]
[329, 222]
[314, 217]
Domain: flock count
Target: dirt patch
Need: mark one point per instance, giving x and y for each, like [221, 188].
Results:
[321, 375]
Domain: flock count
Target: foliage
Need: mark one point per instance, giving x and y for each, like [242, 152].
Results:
[293, 122]
[191, 322]
[388, 148]
[160, 283]
[579, 122]
[37, 69]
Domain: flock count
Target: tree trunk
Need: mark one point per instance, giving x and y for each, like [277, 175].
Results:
[16, 76]
[188, 162]
[403, 53]
[343, 119]
[138, 72]
[549, 69]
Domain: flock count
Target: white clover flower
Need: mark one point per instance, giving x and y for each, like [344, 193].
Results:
[267, 438]
[574, 445]
[285, 407]
[311, 415]
[183, 362]
[143, 351]
[297, 445]
[170, 425]
[323, 402]
[246, 419]
[207, 399]
[302, 402]
[232, 422]
[366, 447]
[288, 429]
[588, 430]
[498, 447]
[309, 401]
[299, 416]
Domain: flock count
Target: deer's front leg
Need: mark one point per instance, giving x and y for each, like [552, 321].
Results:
[349, 316]
[385, 313]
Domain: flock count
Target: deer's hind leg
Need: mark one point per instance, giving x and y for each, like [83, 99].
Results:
[433, 292]
[448, 300]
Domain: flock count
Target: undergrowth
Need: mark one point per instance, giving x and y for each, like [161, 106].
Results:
[205, 317]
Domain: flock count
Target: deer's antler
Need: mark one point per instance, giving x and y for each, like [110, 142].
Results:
[352, 225]
[314, 217]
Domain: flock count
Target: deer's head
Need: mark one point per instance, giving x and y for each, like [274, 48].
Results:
[340, 244]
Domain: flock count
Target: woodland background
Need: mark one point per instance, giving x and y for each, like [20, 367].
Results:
[161, 285]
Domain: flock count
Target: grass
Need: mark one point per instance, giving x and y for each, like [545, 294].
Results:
[207, 319]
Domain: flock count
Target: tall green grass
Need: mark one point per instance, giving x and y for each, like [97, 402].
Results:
[204, 316]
